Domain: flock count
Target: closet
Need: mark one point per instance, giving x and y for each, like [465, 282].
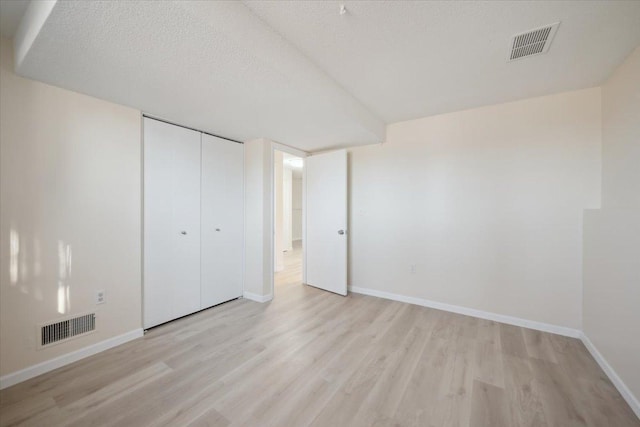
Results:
[193, 221]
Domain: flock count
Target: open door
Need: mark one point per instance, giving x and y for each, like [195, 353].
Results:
[326, 221]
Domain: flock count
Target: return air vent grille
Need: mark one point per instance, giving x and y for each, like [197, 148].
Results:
[66, 329]
[532, 42]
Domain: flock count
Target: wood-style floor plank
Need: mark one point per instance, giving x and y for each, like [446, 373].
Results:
[489, 406]
[522, 389]
[312, 358]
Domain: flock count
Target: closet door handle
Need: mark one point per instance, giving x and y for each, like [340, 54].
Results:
[184, 233]
[217, 229]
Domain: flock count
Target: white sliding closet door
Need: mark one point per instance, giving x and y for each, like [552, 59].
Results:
[171, 222]
[222, 220]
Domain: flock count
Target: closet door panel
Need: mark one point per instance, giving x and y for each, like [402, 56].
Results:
[222, 220]
[171, 222]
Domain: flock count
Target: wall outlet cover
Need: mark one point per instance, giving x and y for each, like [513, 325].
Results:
[100, 297]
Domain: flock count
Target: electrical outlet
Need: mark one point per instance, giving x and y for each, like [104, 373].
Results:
[412, 269]
[100, 297]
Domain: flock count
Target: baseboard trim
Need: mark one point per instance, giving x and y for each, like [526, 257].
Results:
[257, 298]
[531, 324]
[60, 361]
[611, 373]
[540, 326]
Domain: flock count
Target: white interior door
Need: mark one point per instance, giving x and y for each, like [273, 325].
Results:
[222, 220]
[326, 221]
[171, 222]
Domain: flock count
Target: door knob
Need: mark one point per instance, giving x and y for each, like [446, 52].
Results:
[341, 232]
[217, 229]
[184, 233]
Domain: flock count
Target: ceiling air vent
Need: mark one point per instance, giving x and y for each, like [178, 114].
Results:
[533, 42]
[63, 330]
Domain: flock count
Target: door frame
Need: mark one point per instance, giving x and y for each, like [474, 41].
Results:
[272, 210]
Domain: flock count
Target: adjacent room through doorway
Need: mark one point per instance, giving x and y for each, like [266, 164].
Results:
[288, 249]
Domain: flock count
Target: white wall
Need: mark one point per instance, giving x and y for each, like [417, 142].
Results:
[70, 214]
[296, 203]
[612, 234]
[486, 204]
[278, 243]
[258, 217]
[287, 208]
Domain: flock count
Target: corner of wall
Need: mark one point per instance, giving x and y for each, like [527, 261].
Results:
[32, 22]
[611, 237]
[258, 213]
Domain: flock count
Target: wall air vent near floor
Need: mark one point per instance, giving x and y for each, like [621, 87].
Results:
[532, 42]
[64, 330]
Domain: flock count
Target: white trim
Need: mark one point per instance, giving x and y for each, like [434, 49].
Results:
[531, 324]
[257, 298]
[60, 361]
[611, 373]
[628, 396]
[304, 222]
[289, 150]
[244, 217]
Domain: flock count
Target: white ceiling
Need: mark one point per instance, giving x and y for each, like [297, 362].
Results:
[304, 75]
[214, 66]
[11, 12]
[406, 60]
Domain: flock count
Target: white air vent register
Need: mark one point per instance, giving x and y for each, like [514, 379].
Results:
[532, 42]
[63, 330]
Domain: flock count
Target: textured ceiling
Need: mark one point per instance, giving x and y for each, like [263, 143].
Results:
[303, 74]
[210, 65]
[405, 60]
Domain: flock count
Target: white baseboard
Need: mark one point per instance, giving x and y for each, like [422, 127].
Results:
[613, 376]
[60, 361]
[540, 326]
[257, 298]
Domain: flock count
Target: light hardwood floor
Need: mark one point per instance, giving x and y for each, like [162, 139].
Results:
[313, 358]
[292, 273]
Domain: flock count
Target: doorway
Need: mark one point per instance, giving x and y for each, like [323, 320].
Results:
[288, 221]
[319, 258]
